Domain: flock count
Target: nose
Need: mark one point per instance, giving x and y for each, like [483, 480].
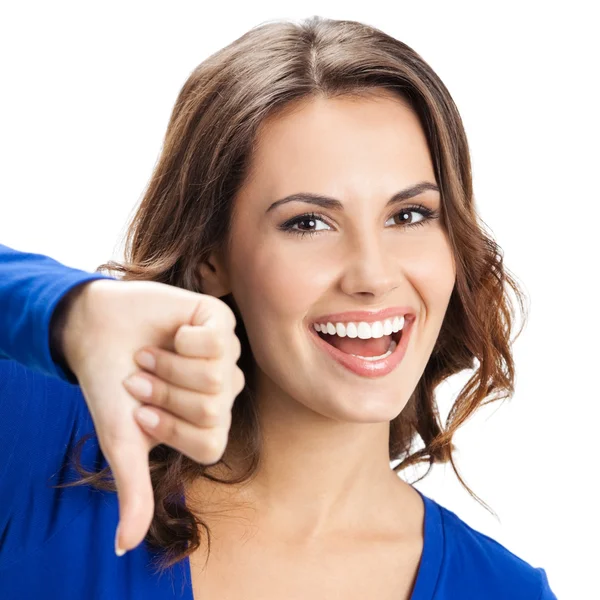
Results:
[371, 269]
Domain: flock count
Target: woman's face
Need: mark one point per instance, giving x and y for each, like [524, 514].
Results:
[363, 256]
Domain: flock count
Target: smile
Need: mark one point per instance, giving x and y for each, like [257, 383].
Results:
[397, 330]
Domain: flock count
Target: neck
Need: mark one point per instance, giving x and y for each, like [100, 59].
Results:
[316, 476]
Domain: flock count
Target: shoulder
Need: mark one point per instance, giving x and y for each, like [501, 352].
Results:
[491, 569]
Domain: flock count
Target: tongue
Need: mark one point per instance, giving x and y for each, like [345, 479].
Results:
[370, 347]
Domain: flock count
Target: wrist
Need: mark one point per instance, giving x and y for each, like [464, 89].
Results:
[60, 327]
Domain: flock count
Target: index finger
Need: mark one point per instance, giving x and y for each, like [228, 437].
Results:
[200, 342]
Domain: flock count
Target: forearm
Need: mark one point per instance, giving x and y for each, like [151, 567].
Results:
[31, 288]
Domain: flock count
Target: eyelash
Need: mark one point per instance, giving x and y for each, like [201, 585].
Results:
[427, 213]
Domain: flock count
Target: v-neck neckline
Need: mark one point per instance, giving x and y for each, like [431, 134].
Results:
[429, 566]
[433, 552]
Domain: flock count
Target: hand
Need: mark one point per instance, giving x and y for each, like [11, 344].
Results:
[193, 384]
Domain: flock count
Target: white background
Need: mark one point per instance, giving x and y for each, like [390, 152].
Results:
[87, 91]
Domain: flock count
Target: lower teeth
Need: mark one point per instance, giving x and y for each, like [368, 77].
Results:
[391, 349]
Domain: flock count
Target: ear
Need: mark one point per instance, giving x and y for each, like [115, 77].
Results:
[213, 277]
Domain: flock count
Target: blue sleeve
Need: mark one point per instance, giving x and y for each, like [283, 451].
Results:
[545, 593]
[31, 285]
[42, 414]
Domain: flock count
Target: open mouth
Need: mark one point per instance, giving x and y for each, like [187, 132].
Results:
[371, 357]
[329, 337]
[370, 349]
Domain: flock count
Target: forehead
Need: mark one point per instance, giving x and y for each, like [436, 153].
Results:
[318, 141]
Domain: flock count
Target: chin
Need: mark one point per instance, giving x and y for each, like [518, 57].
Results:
[360, 407]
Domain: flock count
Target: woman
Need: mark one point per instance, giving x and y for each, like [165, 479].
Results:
[316, 178]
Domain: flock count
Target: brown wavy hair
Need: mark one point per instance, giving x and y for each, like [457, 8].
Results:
[185, 215]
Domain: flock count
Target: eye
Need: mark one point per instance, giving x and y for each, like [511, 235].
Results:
[304, 224]
[309, 221]
[406, 219]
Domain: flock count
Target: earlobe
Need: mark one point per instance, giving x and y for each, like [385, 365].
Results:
[212, 279]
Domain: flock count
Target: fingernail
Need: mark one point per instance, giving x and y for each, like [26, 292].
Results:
[146, 360]
[118, 550]
[140, 386]
[147, 417]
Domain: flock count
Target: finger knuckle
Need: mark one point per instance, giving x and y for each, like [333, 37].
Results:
[182, 341]
[218, 345]
[162, 394]
[114, 428]
[111, 442]
[230, 319]
[211, 412]
[214, 381]
[224, 312]
[239, 380]
[237, 348]
[168, 429]
[165, 367]
[213, 447]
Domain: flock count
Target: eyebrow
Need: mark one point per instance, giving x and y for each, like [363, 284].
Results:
[333, 204]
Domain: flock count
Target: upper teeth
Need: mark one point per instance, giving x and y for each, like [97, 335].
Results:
[362, 330]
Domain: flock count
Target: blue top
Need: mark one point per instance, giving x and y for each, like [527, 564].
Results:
[59, 543]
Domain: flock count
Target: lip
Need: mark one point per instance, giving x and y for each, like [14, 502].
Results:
[367, 316]
[367, 368]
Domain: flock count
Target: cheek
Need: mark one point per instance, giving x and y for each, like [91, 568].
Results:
[432, 273]
[275, 288]
[277, 285]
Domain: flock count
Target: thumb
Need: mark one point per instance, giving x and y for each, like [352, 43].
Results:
[130, 467]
